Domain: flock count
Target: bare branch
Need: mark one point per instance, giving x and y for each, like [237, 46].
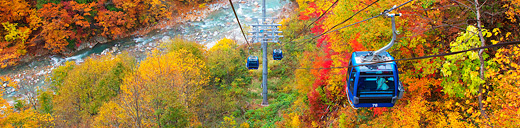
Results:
[444, 24]
[494, 14]
[471, 2]
[463, 5]
[482, 4]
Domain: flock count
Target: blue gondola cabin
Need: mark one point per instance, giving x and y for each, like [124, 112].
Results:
[277, 54]
[252, 62]
[374, 85]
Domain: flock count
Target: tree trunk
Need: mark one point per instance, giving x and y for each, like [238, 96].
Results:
[482, 44]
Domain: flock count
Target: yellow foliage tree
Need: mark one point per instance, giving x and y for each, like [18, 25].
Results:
[113, 115]
[26, 117]
[82, 90]
[223, 60]
[162, 81]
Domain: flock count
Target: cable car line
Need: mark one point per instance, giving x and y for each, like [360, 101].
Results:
[314, 37]
[380, 14]
[308, 25]
[431, 56]
[354, 15]
[474, 33]
[240, 25]
[329, 31]
[324, 13]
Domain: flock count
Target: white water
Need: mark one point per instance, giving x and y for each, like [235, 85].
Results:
[217, 25]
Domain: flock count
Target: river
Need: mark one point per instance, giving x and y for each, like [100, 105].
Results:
[208, 30]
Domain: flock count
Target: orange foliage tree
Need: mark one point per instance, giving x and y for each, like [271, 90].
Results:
[64, 24]
[61, 26]
[18, 21]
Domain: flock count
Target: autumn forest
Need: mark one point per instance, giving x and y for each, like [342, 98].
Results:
[181, 82]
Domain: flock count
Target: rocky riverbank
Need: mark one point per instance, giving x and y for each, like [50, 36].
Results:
[32, 74]
[197, 13]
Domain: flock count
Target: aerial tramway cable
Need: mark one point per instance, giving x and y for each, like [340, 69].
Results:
[431, 56]
[240, 25]
[381, 14]
[314, 37]
[323, 14]
[354, 15]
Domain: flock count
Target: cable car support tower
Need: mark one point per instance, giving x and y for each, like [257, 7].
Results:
[265, 33]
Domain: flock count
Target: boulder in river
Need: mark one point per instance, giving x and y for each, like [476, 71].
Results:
[249, 18]
[165, 38]
[114, 49]
[91, 42]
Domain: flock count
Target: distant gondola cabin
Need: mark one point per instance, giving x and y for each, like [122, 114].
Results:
[277, 54]
[375, 85]
[252, 62]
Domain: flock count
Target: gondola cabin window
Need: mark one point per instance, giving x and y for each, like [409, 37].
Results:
[352, 79]
[376, 86]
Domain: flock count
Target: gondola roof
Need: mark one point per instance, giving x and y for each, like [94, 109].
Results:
[357, 59]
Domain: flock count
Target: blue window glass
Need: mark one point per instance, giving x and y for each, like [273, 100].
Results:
[376, 86]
